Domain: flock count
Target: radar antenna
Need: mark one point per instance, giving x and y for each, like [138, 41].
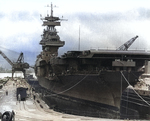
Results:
[126, 45]
[51, 13]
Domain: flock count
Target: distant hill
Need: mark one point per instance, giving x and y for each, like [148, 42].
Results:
[29, 57]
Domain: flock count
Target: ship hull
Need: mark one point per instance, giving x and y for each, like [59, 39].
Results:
[135, 106]
[95, 95]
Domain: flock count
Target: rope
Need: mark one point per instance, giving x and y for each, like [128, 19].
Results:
[70, 87]
[134, 90]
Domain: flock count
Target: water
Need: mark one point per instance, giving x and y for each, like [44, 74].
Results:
[2, 75]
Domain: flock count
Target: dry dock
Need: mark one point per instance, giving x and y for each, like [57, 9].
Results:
[34, 110]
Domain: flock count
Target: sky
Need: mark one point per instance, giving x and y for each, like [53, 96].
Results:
[102, 23]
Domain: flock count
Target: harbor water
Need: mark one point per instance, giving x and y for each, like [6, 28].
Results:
[2, 75]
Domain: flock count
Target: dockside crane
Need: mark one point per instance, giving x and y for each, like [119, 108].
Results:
[19, 65]
[126, 45]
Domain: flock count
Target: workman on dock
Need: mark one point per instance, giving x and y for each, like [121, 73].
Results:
[19, 98]
[34, 97]
[6, 92]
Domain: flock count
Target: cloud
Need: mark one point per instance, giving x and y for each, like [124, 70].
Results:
[102, 30]
[17, 16]
[21, 30]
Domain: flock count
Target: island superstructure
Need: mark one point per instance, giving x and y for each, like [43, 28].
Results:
[87, 82]
[50, 39]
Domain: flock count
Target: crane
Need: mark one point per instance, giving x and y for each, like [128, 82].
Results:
[126, 45]
[19, 65]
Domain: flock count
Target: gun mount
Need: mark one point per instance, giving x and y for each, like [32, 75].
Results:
[19, 65]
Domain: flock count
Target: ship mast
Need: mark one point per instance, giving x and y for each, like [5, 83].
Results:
[51, 9]
[50, 39]
[79, 39]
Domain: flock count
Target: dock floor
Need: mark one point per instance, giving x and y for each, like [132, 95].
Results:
[35, 110]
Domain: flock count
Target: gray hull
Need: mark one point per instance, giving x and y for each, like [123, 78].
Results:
[77, 82]
[133, 107]
[87, 93]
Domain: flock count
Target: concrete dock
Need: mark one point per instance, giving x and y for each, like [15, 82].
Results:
[34, 110]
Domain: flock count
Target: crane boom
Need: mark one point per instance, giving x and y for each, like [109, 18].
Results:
[20, 58]
[126, 45]
[6, 58]
[17, 66]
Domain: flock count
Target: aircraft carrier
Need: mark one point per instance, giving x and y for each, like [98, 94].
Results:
[90, 82]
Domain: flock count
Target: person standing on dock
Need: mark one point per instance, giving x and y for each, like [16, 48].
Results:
[19, 98]
[6, 92]
[34, 97]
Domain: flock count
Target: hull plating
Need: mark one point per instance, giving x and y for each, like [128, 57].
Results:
[85, 94]
[133, 107]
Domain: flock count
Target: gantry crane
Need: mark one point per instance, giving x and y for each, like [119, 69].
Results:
[126, 45]
[19, 65]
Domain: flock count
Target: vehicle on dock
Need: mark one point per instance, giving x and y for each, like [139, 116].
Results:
[22, 92]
